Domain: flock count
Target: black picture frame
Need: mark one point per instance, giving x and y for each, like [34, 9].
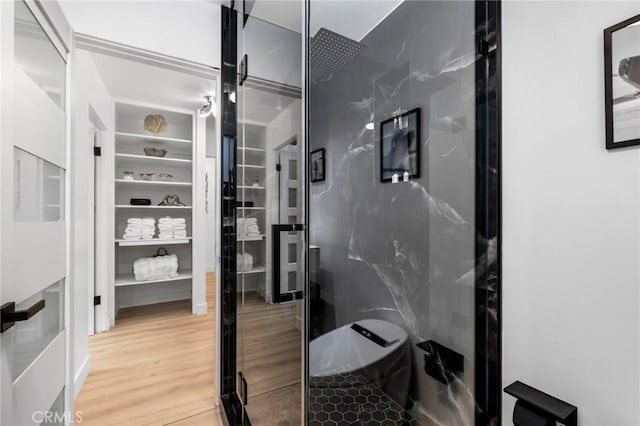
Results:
[400, 146]
[622, 84]
[317, 165]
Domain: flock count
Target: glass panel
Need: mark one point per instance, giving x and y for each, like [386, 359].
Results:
[269, 119]
[30, 338]
[293, 200]
[392, 100]
[55, 416]
[293, 169]
[38, 189]
[37, 56]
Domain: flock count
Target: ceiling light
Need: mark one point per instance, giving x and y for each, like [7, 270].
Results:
[208, 108]
[369, 126]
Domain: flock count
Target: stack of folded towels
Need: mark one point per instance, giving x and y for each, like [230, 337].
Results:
[248, 227]
[169, 228]
[244, 262]
[140, 228]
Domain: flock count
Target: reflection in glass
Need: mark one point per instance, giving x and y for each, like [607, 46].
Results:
[30, 338]
[38, 189]
[56, 412]
[37, 56]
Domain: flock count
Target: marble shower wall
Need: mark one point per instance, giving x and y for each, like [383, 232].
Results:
[402, 252]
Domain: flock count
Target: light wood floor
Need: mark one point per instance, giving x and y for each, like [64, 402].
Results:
[156, 367]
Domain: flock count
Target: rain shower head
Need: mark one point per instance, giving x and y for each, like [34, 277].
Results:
[332, 51]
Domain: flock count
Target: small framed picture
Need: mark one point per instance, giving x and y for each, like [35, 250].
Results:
[317, 165]
[622, 83]
[400, 146]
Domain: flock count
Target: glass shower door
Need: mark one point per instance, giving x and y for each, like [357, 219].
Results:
[403, 213]
[270, 218]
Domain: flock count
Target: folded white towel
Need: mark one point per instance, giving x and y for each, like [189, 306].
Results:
[167, 219]
[180, 234]
[179, 220]
[134, 220]
[180, 226]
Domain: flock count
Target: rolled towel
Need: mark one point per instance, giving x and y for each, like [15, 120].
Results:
[248, 261]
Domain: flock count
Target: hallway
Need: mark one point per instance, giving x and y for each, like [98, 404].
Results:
[156, 367]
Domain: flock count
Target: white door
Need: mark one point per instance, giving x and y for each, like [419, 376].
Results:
[33, 155]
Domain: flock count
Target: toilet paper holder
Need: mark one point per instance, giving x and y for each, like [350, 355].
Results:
[543, 404]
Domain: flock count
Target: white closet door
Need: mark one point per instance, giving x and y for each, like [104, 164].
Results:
[33, 228]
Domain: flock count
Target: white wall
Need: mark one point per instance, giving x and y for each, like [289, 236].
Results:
[87, 89]
[187, 29]
[571, 252]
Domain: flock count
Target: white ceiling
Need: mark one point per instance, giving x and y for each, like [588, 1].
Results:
[127, 79]
[351, 18]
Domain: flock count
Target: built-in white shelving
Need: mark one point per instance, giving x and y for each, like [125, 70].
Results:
[252, 238]
[150, 158]
[152, 242]
[255, 270]
[129, 158]
[128, 279]
[152, 182]
[125, 136]
[252, 180]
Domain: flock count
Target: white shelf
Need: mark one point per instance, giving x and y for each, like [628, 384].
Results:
[251, 208]
[251, 166]
[152, 242]
[250, 187]
[255, 270]
[127, 206]
[128, 279]
[152, 182]
[249, 149]
[252, 238]
[150, 138]
[150, 158]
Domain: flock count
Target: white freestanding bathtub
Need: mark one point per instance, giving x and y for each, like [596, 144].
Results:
[371, 352]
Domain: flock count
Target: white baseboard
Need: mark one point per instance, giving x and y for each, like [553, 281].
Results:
[81, 376]
[200, 308]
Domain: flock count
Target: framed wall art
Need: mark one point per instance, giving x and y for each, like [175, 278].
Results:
[400, 146]
[622, 83]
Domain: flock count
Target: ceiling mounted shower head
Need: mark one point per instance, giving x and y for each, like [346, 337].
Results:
[207, 108]
[332, 51]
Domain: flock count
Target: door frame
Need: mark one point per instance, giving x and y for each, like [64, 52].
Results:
[98, 314]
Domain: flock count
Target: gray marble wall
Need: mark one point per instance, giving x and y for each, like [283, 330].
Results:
[402, 252]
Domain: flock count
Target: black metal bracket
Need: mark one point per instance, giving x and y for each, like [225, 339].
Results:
[440, 362]
[278, 296]
[9, 316]
[543, 404]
